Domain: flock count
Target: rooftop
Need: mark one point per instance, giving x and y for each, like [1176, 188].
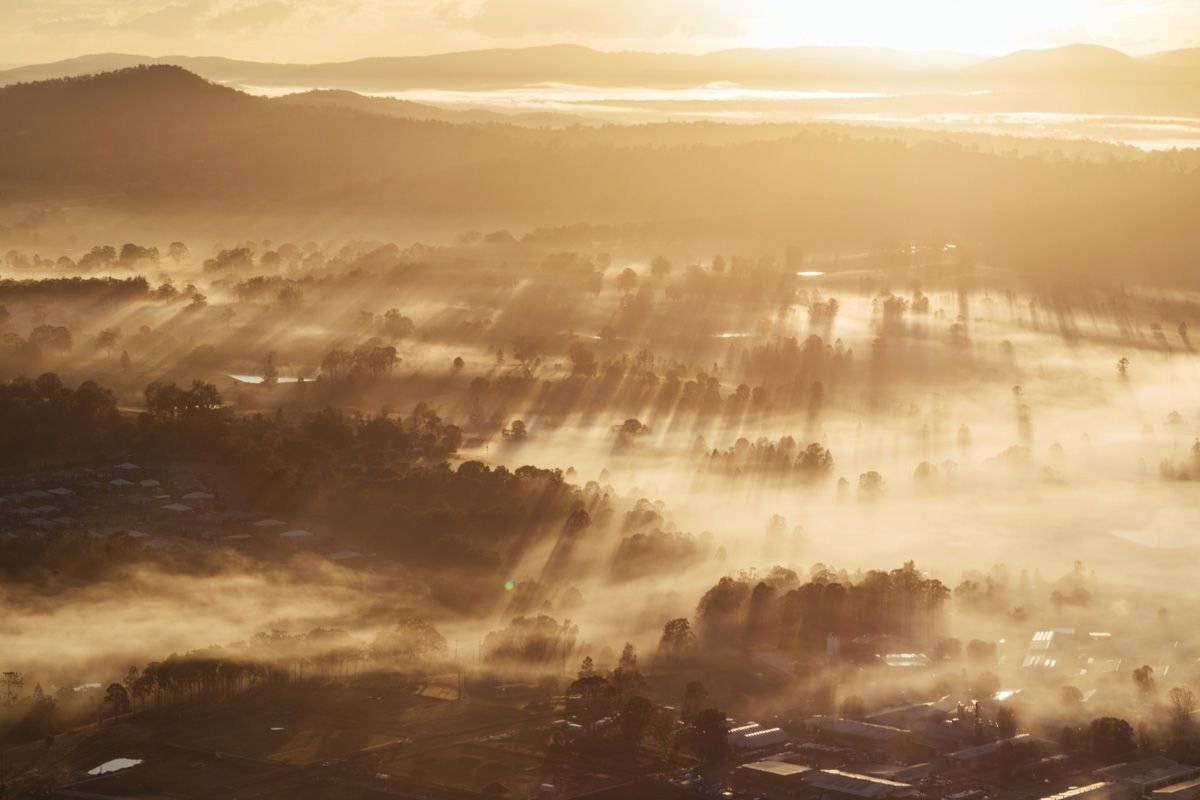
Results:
[850, 727]
[782, 769]
[834, 780]
[1092, 790]
[1176, 789]
[982, 750]
[1158, 769]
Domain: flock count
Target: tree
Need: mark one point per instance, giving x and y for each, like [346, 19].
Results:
[870, 484]
[627, 280]
[950, 649]
[630, 428]
[107, 339]
[587, 669]
[396, 325]
[1183, 705]
[626, 678]
[133, 255]
[1123, 367]
[117, 699]
[583, 360]
[981, 653]
[1143, 678]
[628, 659]
[515, 432]
[694, 695]
[13, 681]
[710, 736]
[177, 251]
[590, 697]
[1111, 738]
[635, 716]
[677, 637]
[663, 726]
[526, 351]
[54, 337]
[1006, 722]
[125, 360]
[660, 267]
[1071, 697]
[410, 641]
[853, 707]
[986, 684]
[270, 375]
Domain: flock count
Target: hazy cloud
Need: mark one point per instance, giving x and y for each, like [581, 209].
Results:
[611, 19]
[255, 15]
[172, 19]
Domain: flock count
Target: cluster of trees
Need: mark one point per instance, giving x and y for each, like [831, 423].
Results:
[270, 657]
[74, 288]
[779, 609]
[368, 362]
[531, 641]
[44, 422]
[763, 456]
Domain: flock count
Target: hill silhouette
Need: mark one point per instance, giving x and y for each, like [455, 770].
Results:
[408, 109]
[159, 138]
[161, 130]
[1159, 83]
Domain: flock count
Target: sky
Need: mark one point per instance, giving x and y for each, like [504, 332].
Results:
[33, 31]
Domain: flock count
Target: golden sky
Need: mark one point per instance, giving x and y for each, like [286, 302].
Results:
[319, 30]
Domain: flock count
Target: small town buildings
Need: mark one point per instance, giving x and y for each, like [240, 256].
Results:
[1148, 774]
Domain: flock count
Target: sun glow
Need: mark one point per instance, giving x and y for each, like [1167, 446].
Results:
[985, 27]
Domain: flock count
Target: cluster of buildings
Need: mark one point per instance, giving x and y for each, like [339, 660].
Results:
[955, 748]
[786, 775]
[166, 507]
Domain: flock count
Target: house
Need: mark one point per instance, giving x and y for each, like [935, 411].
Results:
[848, 784]
[1101, 790]
[1047, 648]
[859, 735]
[764, 737]
[735, 735]
[1149, 774]
[1017, 748]
[772, 778]
[296, 534]
[1187, 790]
[905, 660]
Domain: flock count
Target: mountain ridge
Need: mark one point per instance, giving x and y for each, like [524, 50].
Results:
[568, 63]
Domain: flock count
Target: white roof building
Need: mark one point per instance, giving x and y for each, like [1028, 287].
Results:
[296, 534]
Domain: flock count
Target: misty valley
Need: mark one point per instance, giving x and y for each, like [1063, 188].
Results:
[456, 440]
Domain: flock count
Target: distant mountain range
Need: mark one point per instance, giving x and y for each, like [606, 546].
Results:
[159, 143]
[800, 67]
